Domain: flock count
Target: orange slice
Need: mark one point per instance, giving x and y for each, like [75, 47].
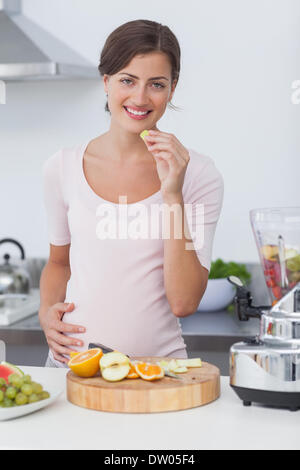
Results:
[86, 363]
[74, 353]
[148, 371]
[132, 373]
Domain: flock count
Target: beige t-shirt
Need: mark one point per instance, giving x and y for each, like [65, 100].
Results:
[116, 257]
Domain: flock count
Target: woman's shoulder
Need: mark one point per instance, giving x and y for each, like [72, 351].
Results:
[202, 168]
[203, 181]
[63, 157]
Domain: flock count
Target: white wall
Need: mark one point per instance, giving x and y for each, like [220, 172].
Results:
[239, 59]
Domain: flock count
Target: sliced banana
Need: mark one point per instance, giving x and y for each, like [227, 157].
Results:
[194, 362]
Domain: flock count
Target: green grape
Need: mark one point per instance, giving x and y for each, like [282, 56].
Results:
[26, 389]
[1, 396]
[26, 379]
[12, 377]
[21, 399]
[293, 264]
[44, 395]
[2, 382]
[11, 392]
[36, 387]
[16, 382]
[33, 398]
[7, 402]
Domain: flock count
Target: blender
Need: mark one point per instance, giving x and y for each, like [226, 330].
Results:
[277, 235]
[265, 369]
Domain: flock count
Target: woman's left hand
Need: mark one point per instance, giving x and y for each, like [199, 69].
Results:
[171, 159]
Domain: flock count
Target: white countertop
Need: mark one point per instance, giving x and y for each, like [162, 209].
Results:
[223, 424]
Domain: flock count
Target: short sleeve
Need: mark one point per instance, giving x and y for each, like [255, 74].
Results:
[205, 200]
[55, 204]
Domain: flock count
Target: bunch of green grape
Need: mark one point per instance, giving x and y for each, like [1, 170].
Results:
[20, 390]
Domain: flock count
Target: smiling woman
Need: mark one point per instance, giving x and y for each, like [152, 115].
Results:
[127, 290]
[138, 38]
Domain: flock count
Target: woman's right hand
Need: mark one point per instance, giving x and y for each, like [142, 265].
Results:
[54, 329]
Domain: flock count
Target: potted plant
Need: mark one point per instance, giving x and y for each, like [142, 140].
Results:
[219, 292]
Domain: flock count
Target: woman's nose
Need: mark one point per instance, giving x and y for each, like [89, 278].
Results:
[140, 97]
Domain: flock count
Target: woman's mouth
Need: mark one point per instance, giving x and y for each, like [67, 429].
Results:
[138, 116]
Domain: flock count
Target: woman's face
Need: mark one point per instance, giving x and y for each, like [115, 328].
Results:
[143, 92]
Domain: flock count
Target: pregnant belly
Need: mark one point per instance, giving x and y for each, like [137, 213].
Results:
[136, 332]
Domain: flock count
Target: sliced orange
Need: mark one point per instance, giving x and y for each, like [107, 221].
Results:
[148, 371]
[74, 353]
[86, 363]
[132, 373]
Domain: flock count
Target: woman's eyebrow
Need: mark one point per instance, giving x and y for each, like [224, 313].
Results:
[134, 76]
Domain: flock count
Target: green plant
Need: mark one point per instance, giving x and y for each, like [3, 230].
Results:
[220, 269]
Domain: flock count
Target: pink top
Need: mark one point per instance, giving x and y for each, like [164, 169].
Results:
[117, 284]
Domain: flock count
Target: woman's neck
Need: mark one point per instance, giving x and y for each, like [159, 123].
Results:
[126, 147]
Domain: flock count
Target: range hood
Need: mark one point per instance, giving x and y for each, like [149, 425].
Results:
[28, 52]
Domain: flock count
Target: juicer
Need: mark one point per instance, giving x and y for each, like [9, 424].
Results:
[265, 369]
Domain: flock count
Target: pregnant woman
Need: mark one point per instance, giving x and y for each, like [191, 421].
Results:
[131, 219]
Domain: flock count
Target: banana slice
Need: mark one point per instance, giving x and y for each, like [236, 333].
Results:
[178, 366]
[180, 370]
[194, 362]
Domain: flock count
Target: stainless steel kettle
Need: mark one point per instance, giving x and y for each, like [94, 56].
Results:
[13, 279]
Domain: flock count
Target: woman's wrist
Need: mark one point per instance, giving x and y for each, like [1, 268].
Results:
[173, 198]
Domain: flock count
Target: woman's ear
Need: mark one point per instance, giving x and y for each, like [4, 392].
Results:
[172, 89]
[105, 82]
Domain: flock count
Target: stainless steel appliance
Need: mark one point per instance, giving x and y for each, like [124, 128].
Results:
[17, 299]
[266, 368]
[16, 307]
[29, 52]
[14, 279]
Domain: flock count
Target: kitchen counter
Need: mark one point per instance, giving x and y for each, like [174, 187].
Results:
[222, 424]
[222, 323]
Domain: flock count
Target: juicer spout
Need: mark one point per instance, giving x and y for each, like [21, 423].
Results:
[243, 301]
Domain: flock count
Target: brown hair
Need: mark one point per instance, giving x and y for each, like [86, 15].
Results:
[139, 37]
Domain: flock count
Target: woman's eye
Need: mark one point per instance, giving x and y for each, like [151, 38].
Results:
[160, 85]
[125, 80]
[155, 83]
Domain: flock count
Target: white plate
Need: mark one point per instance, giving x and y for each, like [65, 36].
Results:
[50, 385]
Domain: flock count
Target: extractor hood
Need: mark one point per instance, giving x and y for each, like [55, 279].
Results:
[28, 52]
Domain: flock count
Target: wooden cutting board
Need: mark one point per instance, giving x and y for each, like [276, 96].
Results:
[198, 386]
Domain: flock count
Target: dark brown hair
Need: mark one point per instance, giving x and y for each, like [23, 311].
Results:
[135, 38]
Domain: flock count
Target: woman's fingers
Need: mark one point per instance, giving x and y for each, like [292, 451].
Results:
[59, 349]
[169, 143]
[61, 307]
[59, 357]
[63, 339]
[67, 327]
